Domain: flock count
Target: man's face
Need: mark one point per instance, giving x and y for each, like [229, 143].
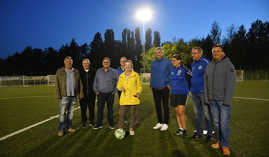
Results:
[196, 54]
[86, 64]
[217, 53]
[122, 61]
[106, 63]
[158, 54]
[68, 63]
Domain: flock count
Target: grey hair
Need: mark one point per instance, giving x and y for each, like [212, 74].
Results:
[68, 57]
[131, 62]
[198, 48]
[158, 48]
[86, 59]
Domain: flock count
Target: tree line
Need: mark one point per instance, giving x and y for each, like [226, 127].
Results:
[248, 50]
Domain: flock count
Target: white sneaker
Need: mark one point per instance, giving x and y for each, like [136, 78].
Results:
[157, 126]
[131, 131]
[164, 127]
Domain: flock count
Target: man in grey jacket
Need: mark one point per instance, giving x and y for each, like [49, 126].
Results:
[219, 87]
[104, 86]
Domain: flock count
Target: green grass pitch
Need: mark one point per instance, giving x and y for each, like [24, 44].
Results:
[24, 106]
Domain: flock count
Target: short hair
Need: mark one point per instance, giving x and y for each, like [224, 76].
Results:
[131, 62]
[86, 59]
[68, 57]
[123, 57]
[177, 57]
[106, 58]
[218, 45]
[198, 48]
[158, 48]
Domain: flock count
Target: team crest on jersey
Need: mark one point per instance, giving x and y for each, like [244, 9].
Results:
[200, 67]
[178, 72]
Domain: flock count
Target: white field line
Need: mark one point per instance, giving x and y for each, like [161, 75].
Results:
[31, 126]
[246, 98]
[22, 97]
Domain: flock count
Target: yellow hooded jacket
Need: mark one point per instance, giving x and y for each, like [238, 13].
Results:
[132, 86]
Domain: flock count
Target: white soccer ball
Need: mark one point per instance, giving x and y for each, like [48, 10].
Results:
[119, 134]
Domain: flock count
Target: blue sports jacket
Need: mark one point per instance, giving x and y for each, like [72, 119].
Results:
[160, 71]
[197, 81]
[178, 80]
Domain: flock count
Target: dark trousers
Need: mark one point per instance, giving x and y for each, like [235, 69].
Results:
[88, 102]
[107, 98]
[161, 97]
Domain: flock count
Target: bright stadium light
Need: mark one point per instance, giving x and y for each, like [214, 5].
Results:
[144, 14]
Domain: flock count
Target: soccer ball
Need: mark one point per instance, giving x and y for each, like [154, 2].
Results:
[119, 134]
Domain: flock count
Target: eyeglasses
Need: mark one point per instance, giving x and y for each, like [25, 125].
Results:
[105, 62]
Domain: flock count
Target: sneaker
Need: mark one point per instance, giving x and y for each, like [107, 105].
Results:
[91, 124]
[157, 126]
[71, 130]
[83, 125]
[98, 127]
[60, 133]
[164, 127]
[196, 136]
[111, 127]
[226, 151]
[131, 131]
[179, 132]
[216, 145]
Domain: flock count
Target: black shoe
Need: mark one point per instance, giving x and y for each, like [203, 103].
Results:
[96, 127]
[83, 125]
[196, 136]
[179, 132]
[208, 138]
[184, 133]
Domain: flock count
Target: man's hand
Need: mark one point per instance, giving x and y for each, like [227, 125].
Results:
[97, 93]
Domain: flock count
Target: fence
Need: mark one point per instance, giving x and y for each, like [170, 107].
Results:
[51, 79]
[27, 80]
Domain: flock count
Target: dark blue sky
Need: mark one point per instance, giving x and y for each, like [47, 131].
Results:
[44, 23]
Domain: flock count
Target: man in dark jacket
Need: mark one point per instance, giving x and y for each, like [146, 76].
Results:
[87, 74]
[219, 87]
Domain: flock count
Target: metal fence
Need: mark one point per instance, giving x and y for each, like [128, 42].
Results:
[145, 77]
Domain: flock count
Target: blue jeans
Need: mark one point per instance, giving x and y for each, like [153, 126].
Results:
[103, 98]
[201, 108]
[66, 112]
[221, 116]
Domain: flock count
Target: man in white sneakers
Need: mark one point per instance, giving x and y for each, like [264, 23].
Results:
[159, 80]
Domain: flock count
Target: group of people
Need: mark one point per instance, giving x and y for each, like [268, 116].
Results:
[211, 85]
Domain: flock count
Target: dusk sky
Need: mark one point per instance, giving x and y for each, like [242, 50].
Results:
[45, 23]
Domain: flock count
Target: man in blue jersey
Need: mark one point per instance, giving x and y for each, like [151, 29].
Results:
[159, 80]
[197, 89]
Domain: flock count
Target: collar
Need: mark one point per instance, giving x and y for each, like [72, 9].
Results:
[72, 70]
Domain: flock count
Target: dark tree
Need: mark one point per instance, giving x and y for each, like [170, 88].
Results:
[157, 39]
[148, 43]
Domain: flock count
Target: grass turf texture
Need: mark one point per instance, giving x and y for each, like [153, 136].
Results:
[249, 124]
